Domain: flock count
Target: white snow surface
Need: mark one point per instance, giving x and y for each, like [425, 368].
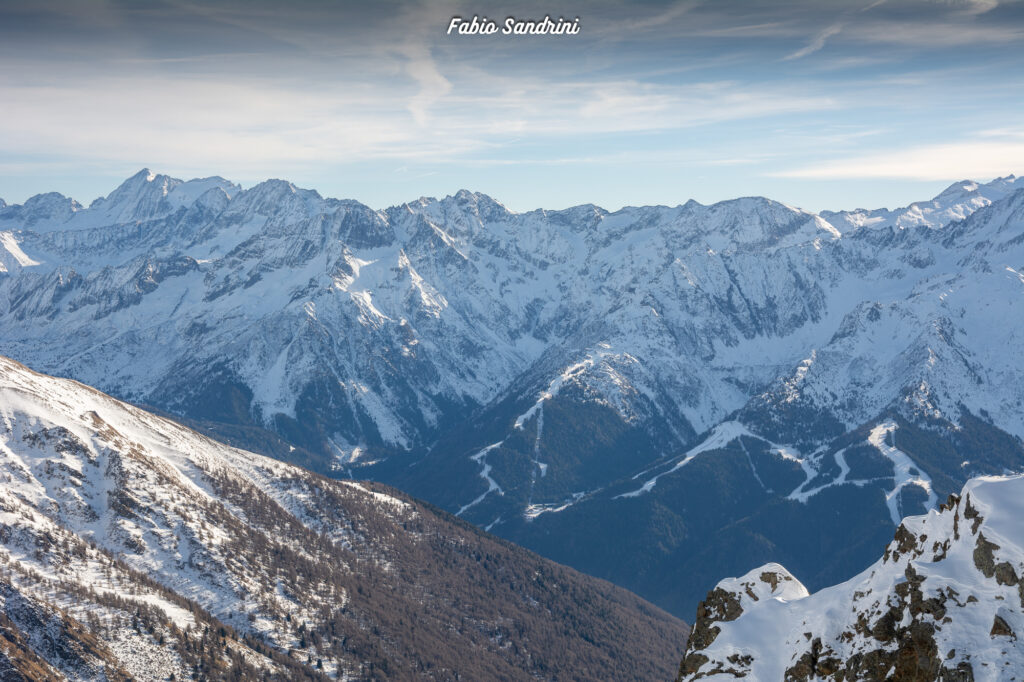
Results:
[907, 472]
[718, 438]
[11, 254]
[485, 473]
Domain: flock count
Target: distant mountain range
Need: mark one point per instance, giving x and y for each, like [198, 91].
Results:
[132, 548]
[659, 396]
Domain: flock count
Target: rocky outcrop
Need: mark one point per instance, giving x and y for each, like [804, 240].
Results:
[725, 604]
[945, 602]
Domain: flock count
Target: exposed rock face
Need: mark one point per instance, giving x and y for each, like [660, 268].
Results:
[945, 602]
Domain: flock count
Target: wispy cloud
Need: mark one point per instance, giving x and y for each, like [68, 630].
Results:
[235, 124]
[973, 7]
[928, 28]
[432, 85]
[816, 43]
[640, 23]
[1008, 133]
[925, 33]
[954, 161]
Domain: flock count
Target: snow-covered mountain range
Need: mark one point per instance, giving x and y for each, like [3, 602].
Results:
[134, 548]
[628, 392]
[945, 602]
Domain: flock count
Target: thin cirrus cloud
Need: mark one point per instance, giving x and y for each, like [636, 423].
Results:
[433, 86]
[972, 159]
[816, 44]
[267, 122]
[926, 29]
[974, 6]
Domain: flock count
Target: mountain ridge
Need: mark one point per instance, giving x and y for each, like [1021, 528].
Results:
[130, 528]
[591, 346]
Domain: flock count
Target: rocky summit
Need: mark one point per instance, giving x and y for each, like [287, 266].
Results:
[944, 602]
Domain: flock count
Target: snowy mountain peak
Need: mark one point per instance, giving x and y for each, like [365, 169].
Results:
[752, 223]
[140, 197]
[771, 581]
[51, 200]
[958, 190]
[281, 198]
[477, 205]
[143, 197]
[274, 186]
[465, 196]
[143, 181]
[956, 202]
[39, 211]
[581, 218]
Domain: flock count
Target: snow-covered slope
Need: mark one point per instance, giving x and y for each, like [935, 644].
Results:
[186, 556]
[946, 601]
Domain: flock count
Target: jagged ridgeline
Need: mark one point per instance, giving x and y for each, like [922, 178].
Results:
[945, 602]
[642, 394]
[134, 548]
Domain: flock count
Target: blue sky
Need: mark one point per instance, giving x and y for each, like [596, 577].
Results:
[818, 104]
